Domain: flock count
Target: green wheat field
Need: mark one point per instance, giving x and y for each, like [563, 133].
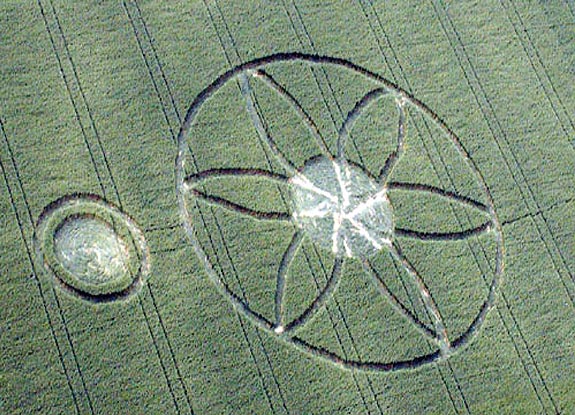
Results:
[287, 207]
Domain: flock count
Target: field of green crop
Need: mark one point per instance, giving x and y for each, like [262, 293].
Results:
[287, 207]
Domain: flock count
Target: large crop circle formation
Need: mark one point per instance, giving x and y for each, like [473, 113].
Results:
[338, 212]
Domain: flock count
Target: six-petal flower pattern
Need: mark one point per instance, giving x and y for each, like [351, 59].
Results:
[332, 204]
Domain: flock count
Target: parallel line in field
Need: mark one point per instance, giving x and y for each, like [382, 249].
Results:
[164, 106]
[497, 130]
[159, 355]
[71, 96]
[452, 398]
[536, 62]
[182, 389]
[504, 136]
[158, 94]
[366, 7]
[541, 72]
[332, 317]
[256, 329]
[77, 113]
[245, 332]
[70, 86]
[230, 62]
[170, 383]
[75, 85]
[538, 212]
[171, 352]
[489, 113]
[322, 71]
[45, 301]
[69, 89]
[552, 95]
[301, 38]
[149, 69]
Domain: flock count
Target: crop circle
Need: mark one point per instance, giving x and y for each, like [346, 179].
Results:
[91, 248]
[336, 208]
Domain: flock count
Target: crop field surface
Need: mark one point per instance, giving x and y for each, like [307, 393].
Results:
[289, 207]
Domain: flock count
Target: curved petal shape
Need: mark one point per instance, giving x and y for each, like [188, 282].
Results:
[394, 157]
[422, 212]
[286, 261]
[225, 172]
[260, 126]
[436, 190]
[265, 191]
[385, 136]
[396, 302]
[431, 307]
[353, 115]
[443, 236]
[296, 106]
[280, 135]
[324, 295]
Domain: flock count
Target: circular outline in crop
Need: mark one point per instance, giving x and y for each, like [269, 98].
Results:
[182, 187]
[90, 206]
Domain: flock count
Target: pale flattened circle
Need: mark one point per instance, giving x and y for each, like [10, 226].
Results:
[91, 248]
[341, 208]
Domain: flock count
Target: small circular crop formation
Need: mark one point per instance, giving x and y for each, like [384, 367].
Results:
[92, 249]
[384, 232]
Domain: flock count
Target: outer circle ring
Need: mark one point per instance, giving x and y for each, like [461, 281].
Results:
[261, 321]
